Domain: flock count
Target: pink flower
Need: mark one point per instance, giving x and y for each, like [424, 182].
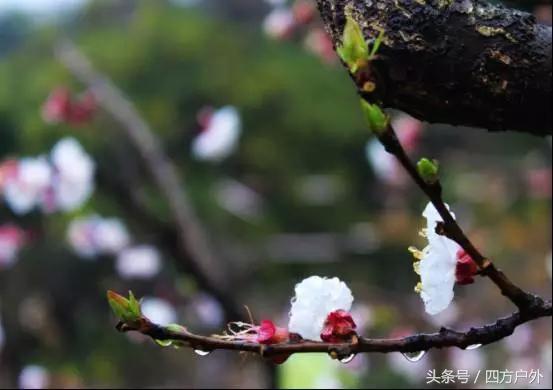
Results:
[57, 106]
[319, 43]
[466, 268]
[339, 327]
[61, 108]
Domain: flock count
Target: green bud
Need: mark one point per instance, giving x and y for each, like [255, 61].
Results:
[428, 170]
[377, 119]
[353, 50]
[127, 310]
[175, 328]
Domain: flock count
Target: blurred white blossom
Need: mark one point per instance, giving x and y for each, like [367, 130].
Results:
[93, 235]
[33, 377]
[220, 137]
[139, 262]
[279, 23]
[158, 310]
[74, 175]
[26, 187]
[316, 297]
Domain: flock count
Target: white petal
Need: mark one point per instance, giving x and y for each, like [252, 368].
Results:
[315, 298]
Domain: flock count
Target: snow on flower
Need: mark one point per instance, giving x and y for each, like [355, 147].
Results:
[315, 299]
[440, 265]
[74, 173]
[24, 187]
[12, 239]
[158, 310]
[33, 377]
[220, 135]
[93, 235]
[139, 262]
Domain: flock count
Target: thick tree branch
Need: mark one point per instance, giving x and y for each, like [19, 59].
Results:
[462, 62]
[421, 342]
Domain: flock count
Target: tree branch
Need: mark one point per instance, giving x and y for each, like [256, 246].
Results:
[450, 228]
[421, 342]
[462, 62]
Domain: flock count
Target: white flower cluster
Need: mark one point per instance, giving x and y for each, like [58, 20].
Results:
[61, 183]
[437, 265]
[315, 299]
[94, 236]
[220, 137]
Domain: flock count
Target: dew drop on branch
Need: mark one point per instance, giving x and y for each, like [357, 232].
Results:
[347, 359]
[201, 352]
[414, 357]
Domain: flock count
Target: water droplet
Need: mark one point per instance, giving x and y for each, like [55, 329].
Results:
[164, 343]
[201, 352]
[414, 357]
[347, 359]
[473, 346]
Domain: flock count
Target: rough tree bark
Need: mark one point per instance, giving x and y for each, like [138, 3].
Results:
[461, 62]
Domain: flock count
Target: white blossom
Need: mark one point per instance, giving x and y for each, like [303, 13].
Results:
[437, 266]
[93, 235]
[33, 377]
[316, 297]
[74, 173]
[26, 188]
[279, 23]
[158, 310]
[220, 138]
[139, 262]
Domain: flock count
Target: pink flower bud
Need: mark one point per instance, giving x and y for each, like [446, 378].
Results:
[339, 327]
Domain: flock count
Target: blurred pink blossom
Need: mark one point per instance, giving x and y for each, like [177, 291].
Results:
[12, 239]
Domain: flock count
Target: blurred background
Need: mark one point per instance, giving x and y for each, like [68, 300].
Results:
[262, 123]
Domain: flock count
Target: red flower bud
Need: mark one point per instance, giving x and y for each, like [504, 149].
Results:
[338, 327]
[268, 333]
[466, 268]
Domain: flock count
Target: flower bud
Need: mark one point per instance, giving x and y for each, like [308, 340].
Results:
[377, 119]
[339, 327]
[428, 170]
